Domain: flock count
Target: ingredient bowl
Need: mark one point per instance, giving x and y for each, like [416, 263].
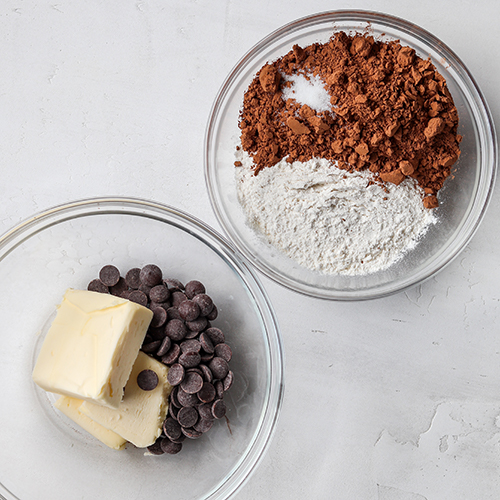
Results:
[43, 454]
[462, 200]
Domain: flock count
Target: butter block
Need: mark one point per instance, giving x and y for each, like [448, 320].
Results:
[140, 416]
[91, 347]
[71, 408]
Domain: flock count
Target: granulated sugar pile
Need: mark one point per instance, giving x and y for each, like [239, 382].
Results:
[330, 220]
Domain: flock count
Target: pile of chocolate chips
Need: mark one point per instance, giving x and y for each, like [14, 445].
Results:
[180, 336]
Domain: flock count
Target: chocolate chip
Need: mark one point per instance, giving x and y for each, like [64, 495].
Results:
[189, 310]
[219, 388]
[172, 428]
[170, 447]
[228, 381]
[173, 313]
[119, 288]
[155, 448]
[198, 325]
[219, 408]
[159, 317]
[145, 289]
[172, 355]
[189, 359]
[224, 351]
[164, 305]
[97, 286]
[173, 410]
[151, 347]
[177, 298]
[150, 275]
[187, 416]
[205, 411]
[174, 284]
[186, 399]
[132, 278]
[213, 313]
[164, 347]
[194, 288]
[192, 383]
[174, 399]
[218, 367]
[139, 298]
[215, 334]
[204, 302]
[196, 369]
[159, 293]
[147, 380]
[109, 275]
[206, 356]
[207, 393]
[176, 329]
[191, 433]
[190, 334]
[203, 425]
[206, 343]
[191, 345]
[206, 372]
[180, 439]
[175, 374]
[126, 294]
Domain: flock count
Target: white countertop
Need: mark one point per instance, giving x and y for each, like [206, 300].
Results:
[391, 399]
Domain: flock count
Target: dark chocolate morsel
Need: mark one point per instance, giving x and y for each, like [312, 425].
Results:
[155, 448]
[192, 383]
[150, 275]
[170, 447]
[219, 408]
[138, 297]
[194, 288]
[132, 278]
[147, 380]
[187, 416]
[109, 275]
[175, 374]
[97, 286]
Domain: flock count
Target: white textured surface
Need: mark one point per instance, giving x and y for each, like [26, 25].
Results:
[393, 399]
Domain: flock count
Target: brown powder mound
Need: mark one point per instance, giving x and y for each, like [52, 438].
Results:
[392, 112]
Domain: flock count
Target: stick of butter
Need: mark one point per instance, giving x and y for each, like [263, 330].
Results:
[71, 408]
[140, 415]
[91, 347]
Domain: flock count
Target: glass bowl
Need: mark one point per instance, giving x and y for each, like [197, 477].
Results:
[42, 453]
[463, 199]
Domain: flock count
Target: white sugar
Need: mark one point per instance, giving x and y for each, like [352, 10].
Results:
[308, 90]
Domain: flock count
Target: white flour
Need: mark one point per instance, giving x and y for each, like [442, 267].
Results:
[329, 220]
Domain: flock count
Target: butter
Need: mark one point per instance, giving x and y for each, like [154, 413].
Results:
[140, 416]
[71, 408]
[91, 347]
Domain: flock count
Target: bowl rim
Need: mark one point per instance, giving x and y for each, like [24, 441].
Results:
[258, 445]
[486, 177]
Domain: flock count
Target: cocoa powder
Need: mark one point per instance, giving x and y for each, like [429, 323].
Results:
[392, 112]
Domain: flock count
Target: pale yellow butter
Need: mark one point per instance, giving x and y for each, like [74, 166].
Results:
[71, 408]
[91, 347]
[140, 415]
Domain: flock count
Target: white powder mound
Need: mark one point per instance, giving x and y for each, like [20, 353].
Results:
[329, 220]
[310, 91]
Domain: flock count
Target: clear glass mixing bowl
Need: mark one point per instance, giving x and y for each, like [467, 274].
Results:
[463, 199]
[44, 455]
